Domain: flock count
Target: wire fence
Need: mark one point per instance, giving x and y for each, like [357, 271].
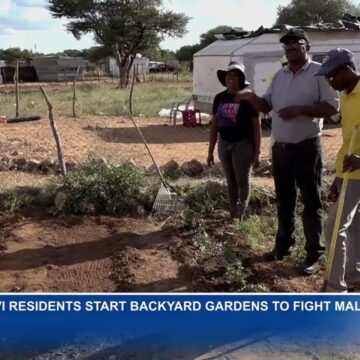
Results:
[174, 141]
[174, 144]
[114, 138]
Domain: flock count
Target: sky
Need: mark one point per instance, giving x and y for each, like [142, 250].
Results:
[28, 24]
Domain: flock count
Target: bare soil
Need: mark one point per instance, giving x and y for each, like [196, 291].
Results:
[42, 253]
[116, 139]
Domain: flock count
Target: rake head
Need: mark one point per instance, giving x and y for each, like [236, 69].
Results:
[166, 199]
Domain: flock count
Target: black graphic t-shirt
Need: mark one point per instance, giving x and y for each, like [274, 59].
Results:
[234, 119]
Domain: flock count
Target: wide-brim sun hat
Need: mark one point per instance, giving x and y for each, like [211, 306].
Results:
[221, 74]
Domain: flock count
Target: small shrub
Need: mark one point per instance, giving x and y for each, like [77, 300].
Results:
[188, 217]
[207, 198]
[47, 194]
[256, 228]
[16, 201]
[207, 246]
[235, 270]
[107, 189]
[262, 201]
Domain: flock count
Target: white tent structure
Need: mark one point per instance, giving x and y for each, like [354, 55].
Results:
[141, 65]
[261, 54]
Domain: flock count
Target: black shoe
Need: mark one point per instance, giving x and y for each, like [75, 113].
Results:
[275, 255]
[354, 288]
[310, 266]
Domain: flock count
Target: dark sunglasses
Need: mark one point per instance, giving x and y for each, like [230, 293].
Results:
[294, 44]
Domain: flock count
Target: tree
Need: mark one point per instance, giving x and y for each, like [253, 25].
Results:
[307, 12]
[73, 53]
[209, 37]
[186, 54]
[97, 53]
[12, 54]
[158, 54]
[126, 26]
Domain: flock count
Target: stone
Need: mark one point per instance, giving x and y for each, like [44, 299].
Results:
[5, 163]
[171, 170]
[98, 162]
[70, 165]
[192, 168]
[20, 163]
[131, 162]
[46, 164]
[32, 165]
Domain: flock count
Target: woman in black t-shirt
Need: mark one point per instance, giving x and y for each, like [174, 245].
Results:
[239, 131]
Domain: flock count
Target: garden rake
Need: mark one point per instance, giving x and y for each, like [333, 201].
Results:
[338, 216]
[166, 199]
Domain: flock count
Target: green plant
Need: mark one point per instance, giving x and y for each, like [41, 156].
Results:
[234, 270]
[207, 246]
[48, 194]
[262, 201]
[108, 189]
[256, 228]
[254, 288]
[16, 201]
[298, 253]
[207, 197]
[188, 217]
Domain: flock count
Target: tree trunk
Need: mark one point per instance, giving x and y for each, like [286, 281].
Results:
[123, 63]
[131, 61]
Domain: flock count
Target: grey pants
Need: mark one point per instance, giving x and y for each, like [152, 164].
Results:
[346, 264]
[236, 159]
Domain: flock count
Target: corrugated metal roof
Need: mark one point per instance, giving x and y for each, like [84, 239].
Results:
[346, 23]
[221, 47]
[232, 41]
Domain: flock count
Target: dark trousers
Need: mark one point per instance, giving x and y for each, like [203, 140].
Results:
[298, 166]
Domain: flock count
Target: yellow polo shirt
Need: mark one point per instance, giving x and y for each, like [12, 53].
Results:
[350, 117]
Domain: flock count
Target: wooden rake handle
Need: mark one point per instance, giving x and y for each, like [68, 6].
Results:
[141, 134]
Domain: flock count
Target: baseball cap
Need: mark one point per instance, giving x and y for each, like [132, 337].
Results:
[334, 59]
[295, 33]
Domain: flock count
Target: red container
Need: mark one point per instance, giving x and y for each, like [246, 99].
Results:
[189, 118]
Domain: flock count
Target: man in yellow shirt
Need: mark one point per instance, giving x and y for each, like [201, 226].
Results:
[339, 69]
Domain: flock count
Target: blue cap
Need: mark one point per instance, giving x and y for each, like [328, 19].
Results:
[334, 59]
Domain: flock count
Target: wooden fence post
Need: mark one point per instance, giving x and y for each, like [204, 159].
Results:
[55, 133]
[74, 88]
[17, 87]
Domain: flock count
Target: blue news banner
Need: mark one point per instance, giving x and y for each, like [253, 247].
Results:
[225, 317]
